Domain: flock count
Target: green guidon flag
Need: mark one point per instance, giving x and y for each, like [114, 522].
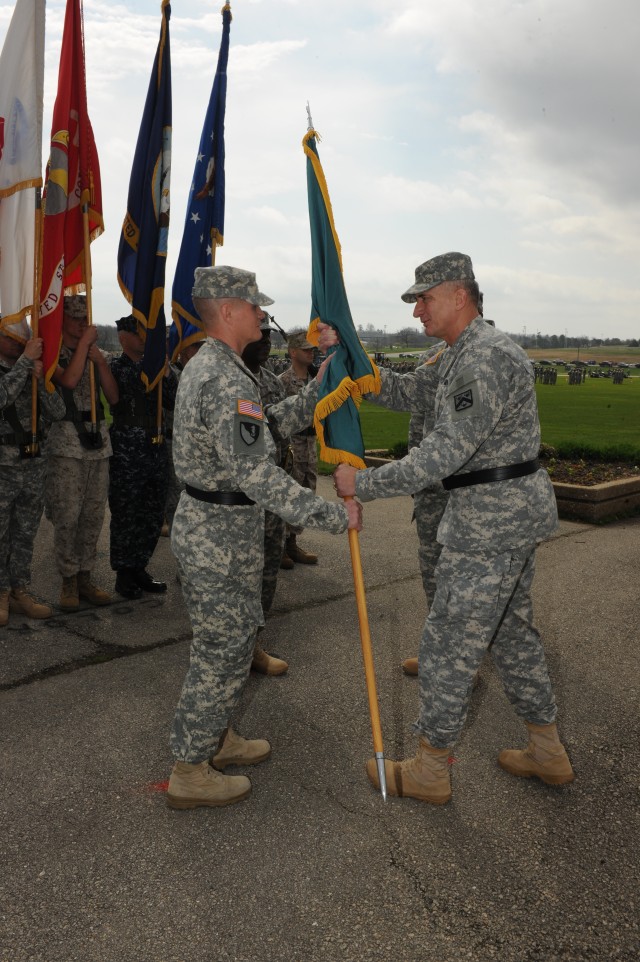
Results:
[351, 373]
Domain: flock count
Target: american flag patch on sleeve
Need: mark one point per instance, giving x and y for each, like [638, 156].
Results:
[251, 408]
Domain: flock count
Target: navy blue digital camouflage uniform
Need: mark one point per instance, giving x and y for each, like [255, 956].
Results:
[139, 474]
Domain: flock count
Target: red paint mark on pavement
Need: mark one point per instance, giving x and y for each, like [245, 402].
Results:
[157, 786]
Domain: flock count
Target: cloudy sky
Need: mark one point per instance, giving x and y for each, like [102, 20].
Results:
[507, 129]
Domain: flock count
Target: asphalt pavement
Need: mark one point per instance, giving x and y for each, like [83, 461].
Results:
[314, 865]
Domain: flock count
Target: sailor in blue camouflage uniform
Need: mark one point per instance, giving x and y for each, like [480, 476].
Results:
[225, 455]
[139, 473]
[22, 478]
[483, 448]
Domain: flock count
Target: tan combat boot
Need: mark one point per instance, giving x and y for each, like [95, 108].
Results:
[193, 786]
[4, 607]
[69, 597]
[266, 664]
[425, 777]
[90, 592]
[21, 601]
[236, 750]
[410, 666]
[543, 758]
[298, 554]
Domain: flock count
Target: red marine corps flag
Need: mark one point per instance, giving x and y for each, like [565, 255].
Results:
[72, 186]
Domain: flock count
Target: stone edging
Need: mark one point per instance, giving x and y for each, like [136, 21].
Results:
[578, 502]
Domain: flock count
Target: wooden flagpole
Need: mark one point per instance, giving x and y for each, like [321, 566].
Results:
[367, 657]
[35, 317]
[87, 280]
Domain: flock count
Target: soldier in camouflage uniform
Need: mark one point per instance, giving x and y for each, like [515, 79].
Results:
[78, 460]
[428, 504]
[484, 448]
[22, 479]
[139, 467]
[304, 468]
[226, 458]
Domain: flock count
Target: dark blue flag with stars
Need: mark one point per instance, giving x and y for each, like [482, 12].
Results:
[142, 254]
[204, 223]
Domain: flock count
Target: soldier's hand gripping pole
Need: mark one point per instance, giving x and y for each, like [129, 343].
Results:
[367, 657]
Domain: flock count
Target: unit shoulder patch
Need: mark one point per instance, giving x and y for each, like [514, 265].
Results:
[248, 428]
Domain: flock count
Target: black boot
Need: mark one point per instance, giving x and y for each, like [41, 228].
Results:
[127, 585]
[147, 583]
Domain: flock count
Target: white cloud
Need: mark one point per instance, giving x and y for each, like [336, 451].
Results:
[508, 129]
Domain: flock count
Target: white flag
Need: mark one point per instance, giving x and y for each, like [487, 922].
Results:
[21, 96]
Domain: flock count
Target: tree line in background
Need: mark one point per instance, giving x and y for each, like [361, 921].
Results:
[414, 337]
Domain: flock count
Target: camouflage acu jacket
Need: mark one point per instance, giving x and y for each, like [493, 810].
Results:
[221, 441]
[485, 415]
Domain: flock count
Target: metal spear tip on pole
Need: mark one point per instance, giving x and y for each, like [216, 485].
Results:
[309, 120]
[382, 775]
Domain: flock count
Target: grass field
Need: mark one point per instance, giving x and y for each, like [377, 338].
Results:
[597, 414]
[597, 417]
[616, 353]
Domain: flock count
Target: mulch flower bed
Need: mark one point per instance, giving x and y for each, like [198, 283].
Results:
[589, 472]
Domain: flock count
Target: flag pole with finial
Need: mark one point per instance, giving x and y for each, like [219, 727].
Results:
[326, 250]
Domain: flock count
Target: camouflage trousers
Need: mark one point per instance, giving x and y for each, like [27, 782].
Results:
[219, 550]
[274, 528]
[21, 503]
[304, 469]
[76, 498]
[481, 601]
[428, 508]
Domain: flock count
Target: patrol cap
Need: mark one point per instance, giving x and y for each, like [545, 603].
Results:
[127, 325]
[445, 267]
[224, 281]
[75, 305]
[299, 342]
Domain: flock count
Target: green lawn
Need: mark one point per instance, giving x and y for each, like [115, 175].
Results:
[597, 416]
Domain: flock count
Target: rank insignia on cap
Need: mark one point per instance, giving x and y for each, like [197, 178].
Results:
[250, 408]
[463, 401]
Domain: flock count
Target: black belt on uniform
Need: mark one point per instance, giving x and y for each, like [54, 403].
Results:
[218, 497]
[491, 474]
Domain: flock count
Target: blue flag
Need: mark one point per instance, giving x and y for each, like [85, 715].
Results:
[204, 223]
[351, 372]
[142, 254]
